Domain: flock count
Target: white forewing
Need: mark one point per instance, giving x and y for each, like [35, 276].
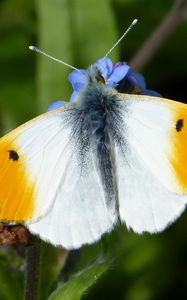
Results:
[148, 125]
[43, 143]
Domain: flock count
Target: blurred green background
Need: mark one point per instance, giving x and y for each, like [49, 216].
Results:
[122, 265]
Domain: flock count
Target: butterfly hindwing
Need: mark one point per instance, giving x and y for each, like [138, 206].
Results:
[153, 161]
[80, 214]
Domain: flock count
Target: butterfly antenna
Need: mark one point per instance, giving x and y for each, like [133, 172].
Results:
[33, 48]
[125, 33]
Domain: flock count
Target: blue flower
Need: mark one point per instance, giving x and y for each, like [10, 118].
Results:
[119, 75]
[136, 79]
[56, 104]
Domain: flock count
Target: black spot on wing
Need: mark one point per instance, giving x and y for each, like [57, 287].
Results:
[179, 125]
[13, 155]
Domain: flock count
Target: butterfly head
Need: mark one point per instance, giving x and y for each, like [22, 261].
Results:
[95, 76]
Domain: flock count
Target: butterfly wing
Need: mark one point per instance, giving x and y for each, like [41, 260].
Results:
[26, 169]
[49, 179]
[151, 162]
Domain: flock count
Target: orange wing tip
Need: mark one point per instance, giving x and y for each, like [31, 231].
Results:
[178, 138]
[17, 190]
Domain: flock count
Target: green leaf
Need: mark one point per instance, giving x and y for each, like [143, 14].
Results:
[9, 284]
[11, 278]
[79, 283]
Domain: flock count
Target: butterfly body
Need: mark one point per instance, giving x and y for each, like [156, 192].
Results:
[72, 173]
[100, 114]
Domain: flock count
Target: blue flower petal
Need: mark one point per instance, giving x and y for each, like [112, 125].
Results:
[56, 104]
[105, 66]
[73, 96]
[78, 79]
[119, 72]
[136, 78]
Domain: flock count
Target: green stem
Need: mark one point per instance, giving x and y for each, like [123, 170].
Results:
[32, 277]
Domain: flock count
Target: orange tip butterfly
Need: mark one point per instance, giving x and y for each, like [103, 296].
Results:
[70, 174]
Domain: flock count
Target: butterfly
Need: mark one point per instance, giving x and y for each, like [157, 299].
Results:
[74, 172]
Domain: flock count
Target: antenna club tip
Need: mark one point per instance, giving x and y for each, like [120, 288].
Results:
[135, 21]
[31, 47]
